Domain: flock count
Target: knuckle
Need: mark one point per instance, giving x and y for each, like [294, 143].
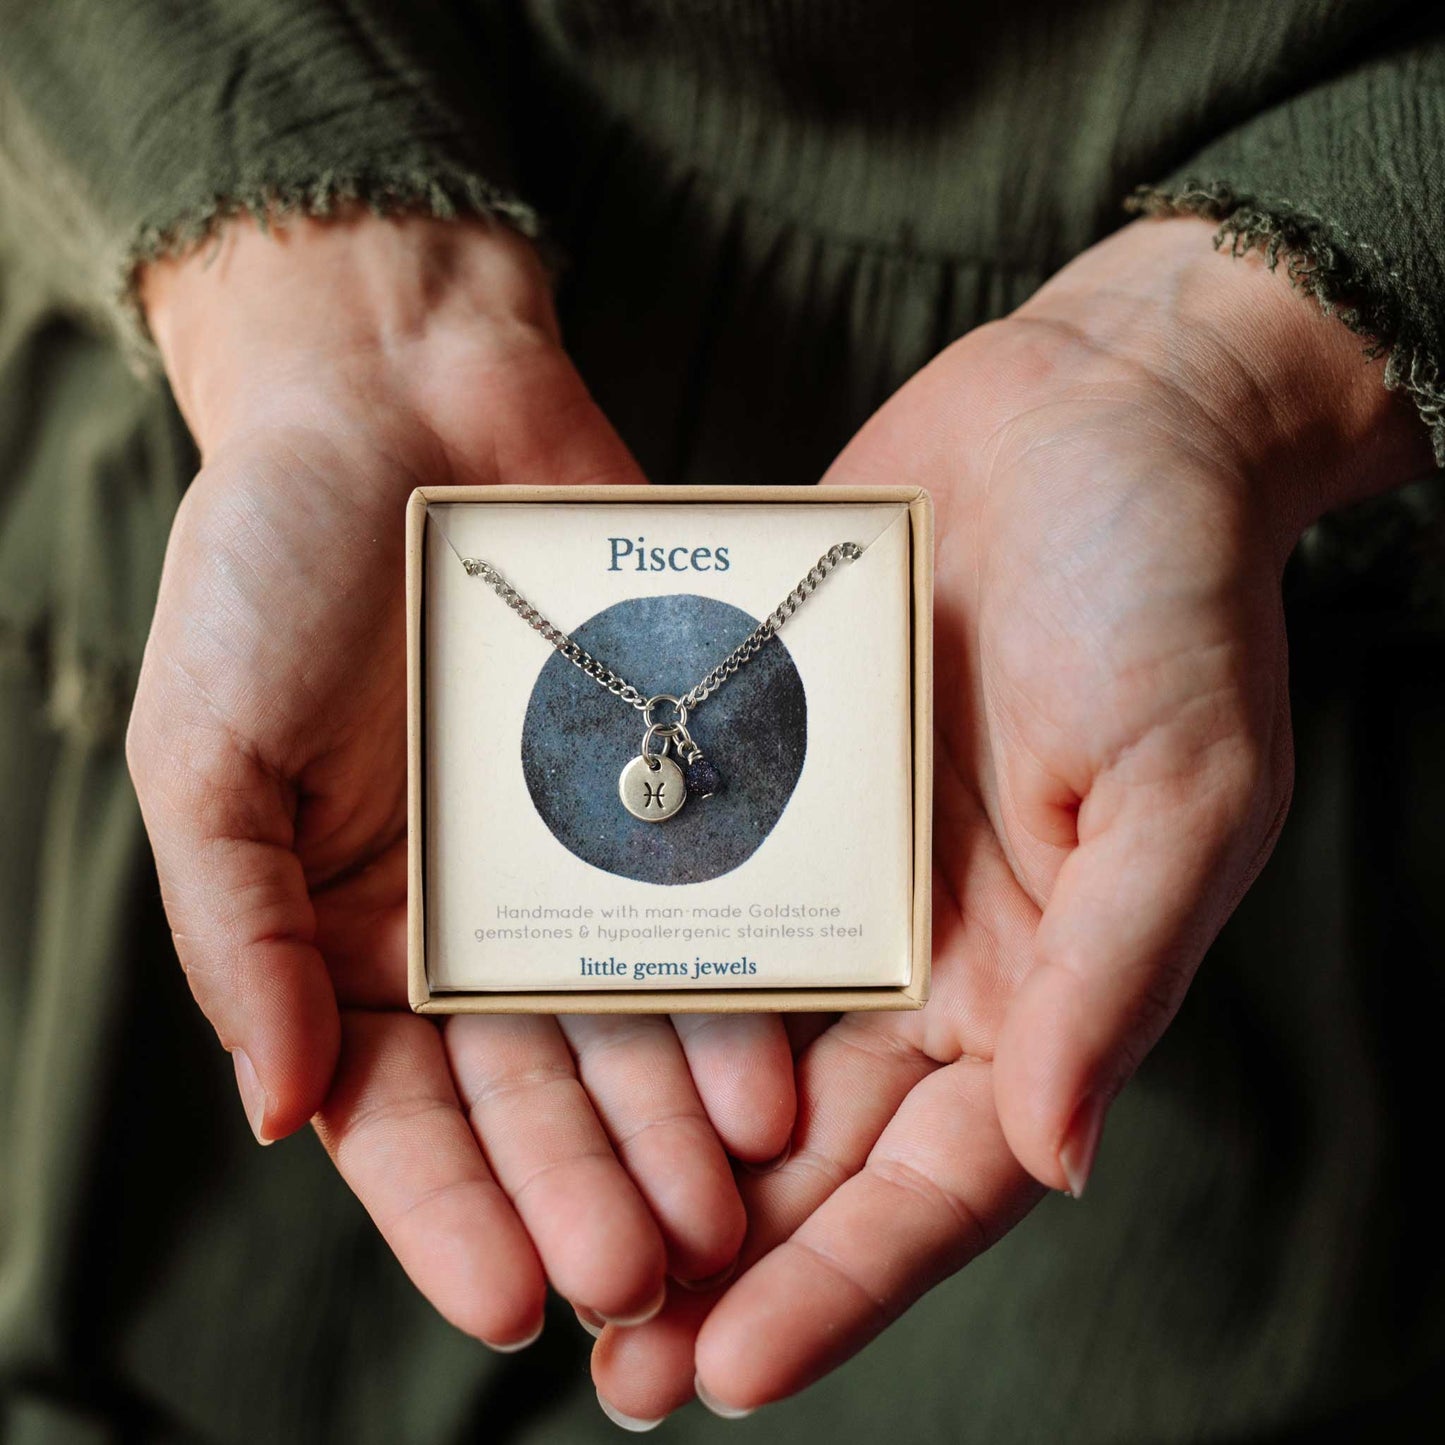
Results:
[1064, 950]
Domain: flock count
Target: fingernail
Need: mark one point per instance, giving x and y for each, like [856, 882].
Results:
[642, 1316]
[593, 1323]
[253, 1097]
[768, 1165]
[1076, 1158]
[516, 1345]
[700, 1286]
[628, 1422]
[711, 1402]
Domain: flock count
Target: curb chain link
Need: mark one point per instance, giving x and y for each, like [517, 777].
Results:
[619, 686]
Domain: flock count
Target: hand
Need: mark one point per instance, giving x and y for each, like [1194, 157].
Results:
[1120, 471]
[325, 371]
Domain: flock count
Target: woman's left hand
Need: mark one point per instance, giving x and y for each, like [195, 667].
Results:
[1120, 470]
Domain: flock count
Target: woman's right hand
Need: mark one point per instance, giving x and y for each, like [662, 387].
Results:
[325, 370]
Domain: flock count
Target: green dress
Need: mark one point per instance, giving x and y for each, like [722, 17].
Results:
[769, 214]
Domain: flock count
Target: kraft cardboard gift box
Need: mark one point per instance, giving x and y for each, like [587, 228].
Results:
[460, 686]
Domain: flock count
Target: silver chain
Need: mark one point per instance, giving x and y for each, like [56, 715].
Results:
[620, 687]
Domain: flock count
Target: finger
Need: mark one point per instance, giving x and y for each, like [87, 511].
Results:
[637, 1078]
[855, 1076]
[850, 1083]
[940, 1187]
[395, 1128]
[221, 827]
[595, 1234]
[1159, 866]
[742, 1065]
[646, 1373]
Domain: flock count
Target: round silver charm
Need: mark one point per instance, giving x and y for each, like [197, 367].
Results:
[652, 788]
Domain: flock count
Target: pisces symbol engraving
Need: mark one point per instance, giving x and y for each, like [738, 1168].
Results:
[652, 788]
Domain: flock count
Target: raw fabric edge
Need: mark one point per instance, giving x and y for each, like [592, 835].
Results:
[1317, 264]
[442, 192]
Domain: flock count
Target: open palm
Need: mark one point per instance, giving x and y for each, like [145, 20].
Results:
[1113, 762]
[267, 745]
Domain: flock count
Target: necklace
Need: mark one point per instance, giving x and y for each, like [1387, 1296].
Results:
[652, 786]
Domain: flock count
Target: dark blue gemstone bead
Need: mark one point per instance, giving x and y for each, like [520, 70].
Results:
[702, 779]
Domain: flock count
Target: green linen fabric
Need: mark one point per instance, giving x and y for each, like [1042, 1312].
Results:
[770, 213]
[1374, 251]
[132, 127]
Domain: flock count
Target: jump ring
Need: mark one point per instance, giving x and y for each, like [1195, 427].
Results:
[667, 730]
[651, 758]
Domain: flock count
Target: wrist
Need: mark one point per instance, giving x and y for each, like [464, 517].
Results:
[250, 324]
[1280, 391]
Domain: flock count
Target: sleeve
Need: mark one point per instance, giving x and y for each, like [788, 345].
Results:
[131, 128]
[1344, 183]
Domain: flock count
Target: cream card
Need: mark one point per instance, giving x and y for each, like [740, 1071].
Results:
[797, 874]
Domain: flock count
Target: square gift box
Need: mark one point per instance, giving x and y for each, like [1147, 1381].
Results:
[573, 849]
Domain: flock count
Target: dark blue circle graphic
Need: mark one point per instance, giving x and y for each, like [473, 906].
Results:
[577, 737]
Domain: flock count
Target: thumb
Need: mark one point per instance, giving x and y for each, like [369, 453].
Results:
[240, 912]
[1159, 867]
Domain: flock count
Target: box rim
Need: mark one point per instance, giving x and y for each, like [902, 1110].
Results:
[849, 999]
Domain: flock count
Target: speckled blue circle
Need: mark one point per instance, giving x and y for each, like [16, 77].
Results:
[577, 737]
